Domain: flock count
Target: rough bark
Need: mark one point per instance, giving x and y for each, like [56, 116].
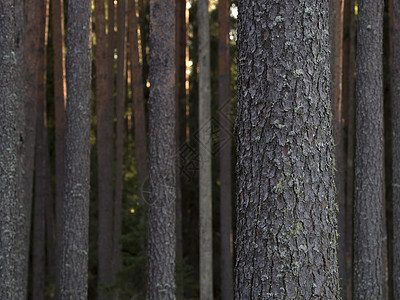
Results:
[394, 11]
[13, 208]
[340, 179]
[286, 217]
[369, 207]
[42, 179]
[225, 150]
[348, 113]
[205, 158]
[161, 216]
[138, 100]
[57, 8]
[105, 141]
[75, 237]
[117, 263]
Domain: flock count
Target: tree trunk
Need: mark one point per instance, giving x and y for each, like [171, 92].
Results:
[42, 179]
[286, 215]
[57, 7]
[161, 217]
[394, 11]
[105, 142]
[205, 158]
[13, 207]
[138, 101]
[75, 237]
[225, 152]
[348, 112]
[117, 263]
[338, 130]
[369, 207]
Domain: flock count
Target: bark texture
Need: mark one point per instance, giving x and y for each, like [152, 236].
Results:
[286, 217]
[57, 8]
[161, 217]
[13, 208]
[75, 239]
[205, 157]
[121, 71]
[369, 206]
[225, 150]
[105, 140]
[138, 99]
[395, 110]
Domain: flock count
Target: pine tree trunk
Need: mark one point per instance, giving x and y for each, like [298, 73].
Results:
[286, 217]
[338, 138]
[348, 112]
[105, 141]
[117, 263]
[205, 175]
[42, 180]
[394, 11]
[369, 207]
[161, 217]
[225, 152]
[57, 8]
[75, 238]
[138, 101]
[13, 207]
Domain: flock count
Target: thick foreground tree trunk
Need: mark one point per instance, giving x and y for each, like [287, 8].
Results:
[369, 205]
[161, 218]
[13, 208]
[286, 216]
[75, 237]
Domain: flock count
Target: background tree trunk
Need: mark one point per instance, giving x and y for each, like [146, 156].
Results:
[225, 152]
[205, 158]
[121, 79]
[42, 179]
[57, 8]
[369, 207]
[161, 218]
[394, 11]
[105, 141]
[286, 216]
[74, 243]
[13, 206]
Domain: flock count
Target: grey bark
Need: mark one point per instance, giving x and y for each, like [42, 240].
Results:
[205, 158]
[161, 215]
[395, 110]
[369, 272]
[13, 208]
[74, 243]
[286, 216]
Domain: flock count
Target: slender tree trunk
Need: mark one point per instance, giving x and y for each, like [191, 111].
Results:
[205, 158]
[394, 11]
[32, 23]
[75, 238]
[348, 112]
[143, 7]
[338, 130]
[13, 205]
[105, 141]
[57, 7]
[161, 217]
[42, 180]
[225, 152]
[138, 101]
[369, 207]
[286, 216]
[117, 264]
